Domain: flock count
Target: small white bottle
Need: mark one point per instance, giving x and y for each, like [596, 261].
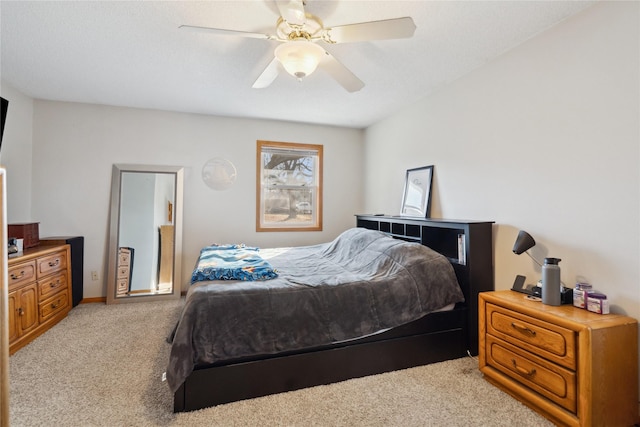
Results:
[551, 281]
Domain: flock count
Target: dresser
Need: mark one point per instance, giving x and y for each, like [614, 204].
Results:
[575, 367]
[39, 284]
[125, 268]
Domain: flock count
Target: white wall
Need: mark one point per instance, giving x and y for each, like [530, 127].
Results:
[75, 146]
[15, 153]
[545, 139]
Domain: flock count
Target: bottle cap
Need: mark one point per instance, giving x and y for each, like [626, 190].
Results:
[554, 261]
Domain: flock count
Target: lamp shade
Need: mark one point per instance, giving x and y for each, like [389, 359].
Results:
[299, 57]
[523, 243]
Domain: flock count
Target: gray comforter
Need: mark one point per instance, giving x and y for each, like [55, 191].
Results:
[362, 283]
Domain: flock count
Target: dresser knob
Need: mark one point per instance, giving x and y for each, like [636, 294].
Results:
[54, 263]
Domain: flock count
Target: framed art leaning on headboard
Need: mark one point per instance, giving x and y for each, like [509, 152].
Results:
[416, 198]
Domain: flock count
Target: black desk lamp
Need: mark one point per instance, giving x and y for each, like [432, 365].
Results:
[523, 243]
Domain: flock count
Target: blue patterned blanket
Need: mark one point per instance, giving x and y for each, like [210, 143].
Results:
[231, 262]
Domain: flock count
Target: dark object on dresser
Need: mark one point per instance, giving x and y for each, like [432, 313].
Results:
[28, 231]
[77, 262]
[435, 337]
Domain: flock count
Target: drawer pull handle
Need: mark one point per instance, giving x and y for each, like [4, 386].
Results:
[19, 276]
[54, 284]
[20, 312]
[523, 371]
[55, 305]
[54, 263]
[523, 329]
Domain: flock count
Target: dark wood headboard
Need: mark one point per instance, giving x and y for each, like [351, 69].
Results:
[467, 244]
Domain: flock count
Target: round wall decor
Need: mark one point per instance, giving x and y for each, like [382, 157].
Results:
[219, 174]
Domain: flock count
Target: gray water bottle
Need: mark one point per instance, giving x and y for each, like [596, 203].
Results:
[551, 281]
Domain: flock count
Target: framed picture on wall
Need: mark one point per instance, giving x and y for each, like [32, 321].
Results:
[416, 198]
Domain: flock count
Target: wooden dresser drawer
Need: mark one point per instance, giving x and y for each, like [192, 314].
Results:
[123, 272]
[51, 285]
[52, 263]
[54, 305]
[122, 286]
[553, 382]
[21, 273]
[124, 257]
[544, 339]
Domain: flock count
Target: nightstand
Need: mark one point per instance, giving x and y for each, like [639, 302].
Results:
[573, 366]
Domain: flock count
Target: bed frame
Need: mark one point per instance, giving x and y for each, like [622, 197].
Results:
[434, 338]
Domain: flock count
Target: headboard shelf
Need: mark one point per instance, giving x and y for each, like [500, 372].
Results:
[467, 244]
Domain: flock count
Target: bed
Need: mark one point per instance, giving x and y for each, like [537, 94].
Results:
[364, 303]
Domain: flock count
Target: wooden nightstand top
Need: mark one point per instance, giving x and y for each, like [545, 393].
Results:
[566, 314]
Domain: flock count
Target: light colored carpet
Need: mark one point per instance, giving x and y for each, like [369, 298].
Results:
[102, 366]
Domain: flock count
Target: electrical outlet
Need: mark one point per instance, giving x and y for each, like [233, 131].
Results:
[94, 276]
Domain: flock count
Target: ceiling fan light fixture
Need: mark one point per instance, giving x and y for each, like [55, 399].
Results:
[299, 57]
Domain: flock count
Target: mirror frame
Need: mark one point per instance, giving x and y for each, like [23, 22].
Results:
[114, 228]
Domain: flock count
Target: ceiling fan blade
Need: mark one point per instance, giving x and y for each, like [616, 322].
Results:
[224, 32]
[292, 11]
[398, 28]
[268, 75]
[340, 73]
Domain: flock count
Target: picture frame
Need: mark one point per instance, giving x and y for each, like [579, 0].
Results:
[416, 197]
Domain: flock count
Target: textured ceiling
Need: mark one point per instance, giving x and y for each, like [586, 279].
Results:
[132, 53]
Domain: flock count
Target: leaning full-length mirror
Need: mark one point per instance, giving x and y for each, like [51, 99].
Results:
[145, 235]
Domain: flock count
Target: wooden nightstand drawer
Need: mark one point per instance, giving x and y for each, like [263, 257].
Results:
[553, 382]
[544, 339]
[52, 285]
[51, 264]
[21, 273]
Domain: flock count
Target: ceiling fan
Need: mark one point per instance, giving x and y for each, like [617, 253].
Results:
[300, 33]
